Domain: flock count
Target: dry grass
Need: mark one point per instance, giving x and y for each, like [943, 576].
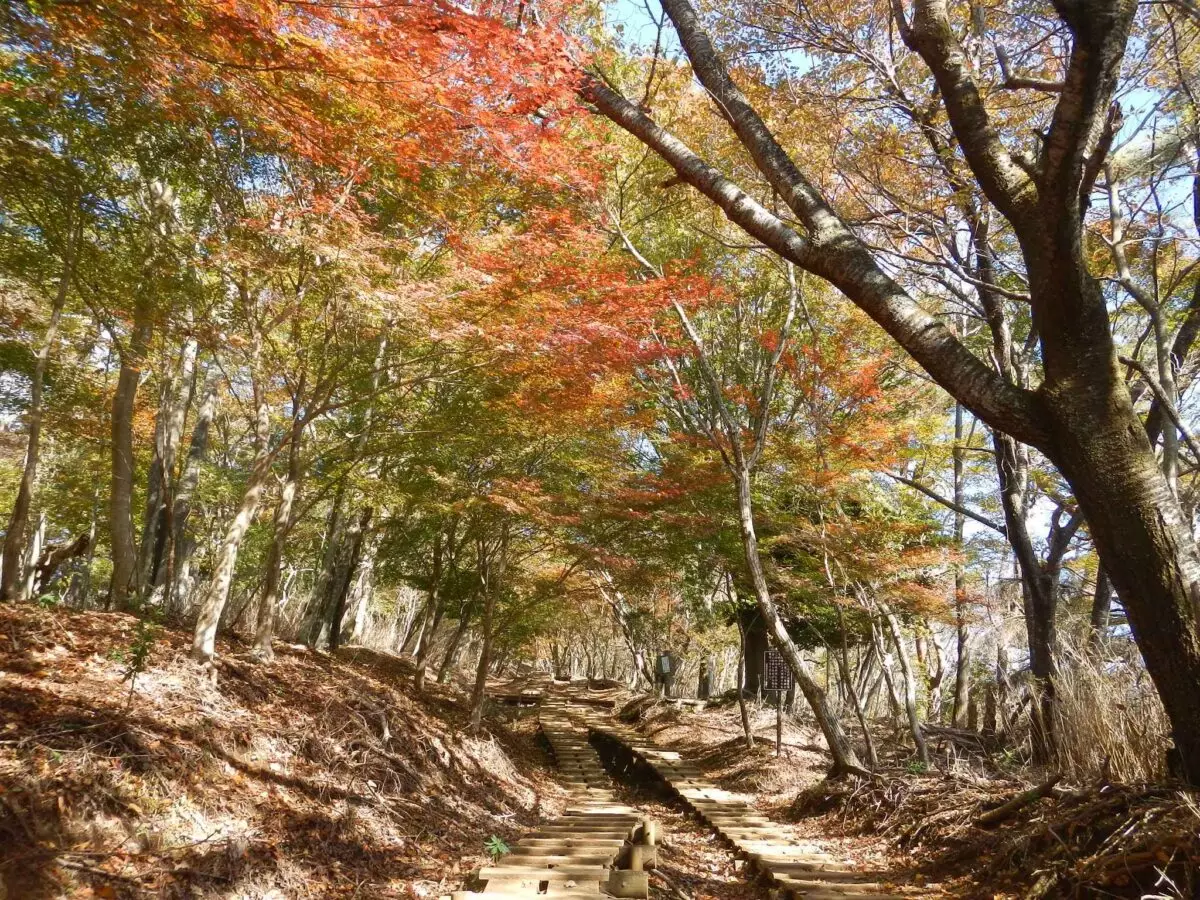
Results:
[1111, 723]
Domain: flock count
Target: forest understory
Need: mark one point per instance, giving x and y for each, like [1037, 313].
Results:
[325, 776]
[314, 777]
[1097, 839]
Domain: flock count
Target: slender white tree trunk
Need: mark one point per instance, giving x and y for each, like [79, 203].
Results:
[212, 604]
[179, 550]
[844, 757]
[909, 678]
[14, 538]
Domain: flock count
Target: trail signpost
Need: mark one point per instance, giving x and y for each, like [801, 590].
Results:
[666, 672]
[777, 677]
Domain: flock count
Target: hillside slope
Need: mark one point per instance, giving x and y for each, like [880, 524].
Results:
[310, 777]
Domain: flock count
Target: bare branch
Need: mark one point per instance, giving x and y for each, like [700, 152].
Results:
[948, 503]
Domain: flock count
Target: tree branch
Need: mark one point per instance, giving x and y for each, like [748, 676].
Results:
[932, 37]
[1167, 405]
[848, 265]
[949, 504]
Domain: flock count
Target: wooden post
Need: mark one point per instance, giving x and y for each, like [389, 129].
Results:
[778, 723]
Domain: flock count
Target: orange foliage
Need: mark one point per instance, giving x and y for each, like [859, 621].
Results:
[416, 84]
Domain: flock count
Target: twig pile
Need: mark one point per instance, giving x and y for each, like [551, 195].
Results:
[1110, 840]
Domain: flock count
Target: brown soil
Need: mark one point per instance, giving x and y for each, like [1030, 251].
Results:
[310, 777]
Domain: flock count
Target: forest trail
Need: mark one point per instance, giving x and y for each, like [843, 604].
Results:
[589, 851]
[792, 869]
[575, 855]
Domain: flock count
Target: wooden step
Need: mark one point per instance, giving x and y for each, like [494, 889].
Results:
[537, 873]
[557, 860]
[570, 845]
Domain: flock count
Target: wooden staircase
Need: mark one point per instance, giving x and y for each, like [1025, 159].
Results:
[577, 854]
[795, 871]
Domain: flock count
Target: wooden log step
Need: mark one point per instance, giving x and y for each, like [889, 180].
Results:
[776, 846]
[554, 891]
[801, 892]
[819, 871]
[555, 831]
[570, 845]
[776, 859]
[864, 888]
[537, 873]
[725, 824]
[537, 858]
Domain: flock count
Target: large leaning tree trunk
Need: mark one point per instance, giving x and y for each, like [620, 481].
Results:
[845, 759]
[1081, 417]
[14, 538]
[216, 593]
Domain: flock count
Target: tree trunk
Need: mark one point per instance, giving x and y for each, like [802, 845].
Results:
[168, 434]
[425, 646]
[620, 607]
[743, 710]
[426, 638]
[320, 605]
[14, 538]
[962, 675]
[264, 631]
[1039, 590]
[929, 655]
[479, 691]
[843, 662]
[364, 584]
[704, 681]
[910, 681]
[1101, 608]
[180, 546]
[120, 524]
[844, 758]
[885, 669]
[81, 582]
[464, 622]
[212, 604]
[346, 576]
[415, 627]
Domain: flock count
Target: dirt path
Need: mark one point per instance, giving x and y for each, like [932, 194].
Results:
[794, 868]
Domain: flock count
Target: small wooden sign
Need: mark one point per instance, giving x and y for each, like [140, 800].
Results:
[777, 675]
